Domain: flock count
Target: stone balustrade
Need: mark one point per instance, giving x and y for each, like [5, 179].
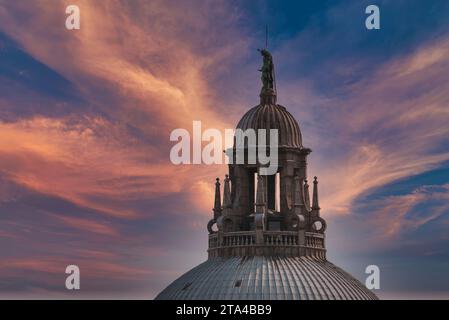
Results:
[281, 243]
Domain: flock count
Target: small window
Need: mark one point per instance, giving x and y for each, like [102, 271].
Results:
[238, 283]
[188, 284]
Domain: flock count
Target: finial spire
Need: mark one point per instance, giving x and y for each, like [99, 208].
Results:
[266, 37]
[217, 203]
[306, 195]
[227, 203]
[315, 205]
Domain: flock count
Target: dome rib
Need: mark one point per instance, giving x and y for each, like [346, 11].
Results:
[270, 116]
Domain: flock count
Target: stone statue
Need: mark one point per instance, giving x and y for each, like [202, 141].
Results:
[267, 70]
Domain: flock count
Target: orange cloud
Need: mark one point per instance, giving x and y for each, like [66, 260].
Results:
[88, 225]
[155, 79]
[89, 162]
[397, 210]
[88, 269]
[152, 67]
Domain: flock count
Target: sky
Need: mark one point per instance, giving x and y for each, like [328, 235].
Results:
[86, 116]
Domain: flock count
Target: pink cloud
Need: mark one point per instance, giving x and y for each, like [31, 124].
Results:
[88, 225]
[147, 68]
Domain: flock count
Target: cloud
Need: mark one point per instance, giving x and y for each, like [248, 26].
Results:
[90, 268]
[397, 215]
[388, 126]
[153, 80]
[88, 225]
[151, 66]
[68, 159]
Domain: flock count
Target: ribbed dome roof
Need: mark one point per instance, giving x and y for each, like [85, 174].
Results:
[273, 116]
[260, 277]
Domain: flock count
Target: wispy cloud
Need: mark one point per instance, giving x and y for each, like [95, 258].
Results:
[388, 126]
[397, 215]
[152, 81]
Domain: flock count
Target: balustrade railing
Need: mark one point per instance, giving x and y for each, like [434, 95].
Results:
[238, 239]
[270, 238]
[280, 238]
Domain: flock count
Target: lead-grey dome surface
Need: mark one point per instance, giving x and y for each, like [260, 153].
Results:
[268, 278]
[273, 116]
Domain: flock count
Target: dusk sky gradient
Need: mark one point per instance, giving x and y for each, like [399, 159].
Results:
[86, 116]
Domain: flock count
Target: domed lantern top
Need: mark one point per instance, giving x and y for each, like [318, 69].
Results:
[268, 214]
[273, 116]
